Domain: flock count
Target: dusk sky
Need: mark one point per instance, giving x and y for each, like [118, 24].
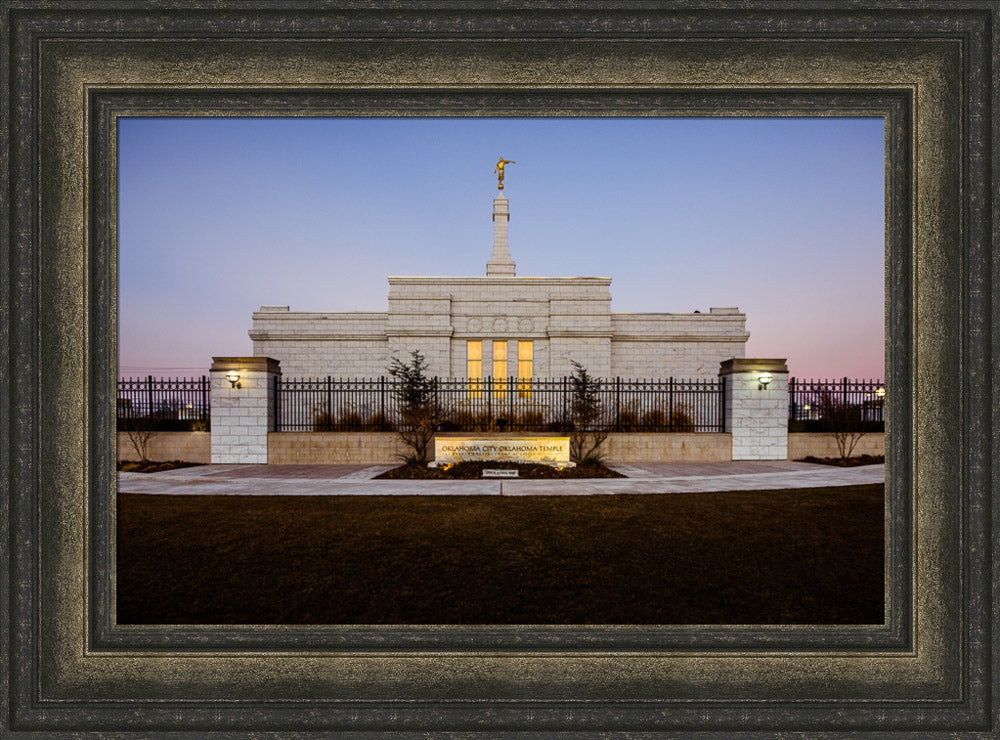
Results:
[781, 217]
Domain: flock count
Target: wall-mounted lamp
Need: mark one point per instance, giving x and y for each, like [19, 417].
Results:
[880, 393]
[763, 379]
[233, 378]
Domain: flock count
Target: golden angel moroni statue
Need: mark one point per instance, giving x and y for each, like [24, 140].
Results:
[499, 170]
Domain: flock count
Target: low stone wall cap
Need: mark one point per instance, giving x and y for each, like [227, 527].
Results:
[747, 365]
[248, 364]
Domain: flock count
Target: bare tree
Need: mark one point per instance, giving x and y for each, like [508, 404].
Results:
[589, 426]
[140, 431]
[420, 412]
[844, 422]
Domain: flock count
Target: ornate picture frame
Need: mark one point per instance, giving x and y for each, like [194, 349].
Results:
[71, 68]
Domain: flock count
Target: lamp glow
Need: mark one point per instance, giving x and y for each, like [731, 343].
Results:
[763, 379]
[233, 378]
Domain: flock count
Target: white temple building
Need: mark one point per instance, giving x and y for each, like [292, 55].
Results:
[500, 325]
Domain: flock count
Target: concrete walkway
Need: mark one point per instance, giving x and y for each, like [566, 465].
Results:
[356, 480]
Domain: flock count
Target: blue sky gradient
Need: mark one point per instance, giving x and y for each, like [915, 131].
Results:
[782, 217]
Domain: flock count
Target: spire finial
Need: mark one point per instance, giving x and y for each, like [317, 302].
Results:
[499, 170]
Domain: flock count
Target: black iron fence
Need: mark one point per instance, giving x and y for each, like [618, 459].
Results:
[813, 404]
[164, 404]
[501, 404]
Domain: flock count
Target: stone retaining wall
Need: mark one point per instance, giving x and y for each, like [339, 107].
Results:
[381, 448]
[804, 444]
[332, 448]
[384, 448]
[187, 446]
[676, 447]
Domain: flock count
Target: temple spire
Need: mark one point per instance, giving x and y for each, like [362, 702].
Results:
[500, 262]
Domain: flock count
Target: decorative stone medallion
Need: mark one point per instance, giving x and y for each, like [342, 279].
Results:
[525, 325]
[499, 324]
[475, 325]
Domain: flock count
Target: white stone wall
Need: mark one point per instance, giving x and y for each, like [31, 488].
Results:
[566, 319]
[543, 359]
[241, 417]
[679, 359]
[692, 345]
[335, 357]
[316, 344]
[757, 419]
[594, 353]
[436, 351]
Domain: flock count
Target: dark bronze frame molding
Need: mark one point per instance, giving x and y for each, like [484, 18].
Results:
[70, 69]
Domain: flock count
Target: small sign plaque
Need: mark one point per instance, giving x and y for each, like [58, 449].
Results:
[499, 473]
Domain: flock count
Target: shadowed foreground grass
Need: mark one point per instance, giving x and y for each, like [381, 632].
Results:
[808, 556]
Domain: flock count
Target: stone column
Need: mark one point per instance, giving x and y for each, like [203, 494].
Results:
[243, 414]
[757, 415]
[500, 262]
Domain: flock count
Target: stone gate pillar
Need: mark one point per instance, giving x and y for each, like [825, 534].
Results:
[243, 407]
[757, 408]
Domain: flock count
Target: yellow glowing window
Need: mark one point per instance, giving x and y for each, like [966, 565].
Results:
[499, 368]
[499, 359]
[525, 367]
[474, 366]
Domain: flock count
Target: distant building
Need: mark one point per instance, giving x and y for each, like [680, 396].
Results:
[500, 325]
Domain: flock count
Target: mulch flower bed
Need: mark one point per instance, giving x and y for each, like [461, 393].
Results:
[850, 462]
[474, 470]
[153, 466]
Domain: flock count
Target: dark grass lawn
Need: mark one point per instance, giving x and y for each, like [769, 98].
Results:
[807, 556]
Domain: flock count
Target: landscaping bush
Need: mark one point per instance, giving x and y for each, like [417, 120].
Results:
[420, 412]
[323, 422]
[633, 419]
[590, 423]
[379, 423]
[628, 419]
[529, 421]
[351, 421]
[681, 421]
[654, 421]
[165, 425]
[465, 420]
[817, 426]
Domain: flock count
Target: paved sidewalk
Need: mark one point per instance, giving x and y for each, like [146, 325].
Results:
[356, 480]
